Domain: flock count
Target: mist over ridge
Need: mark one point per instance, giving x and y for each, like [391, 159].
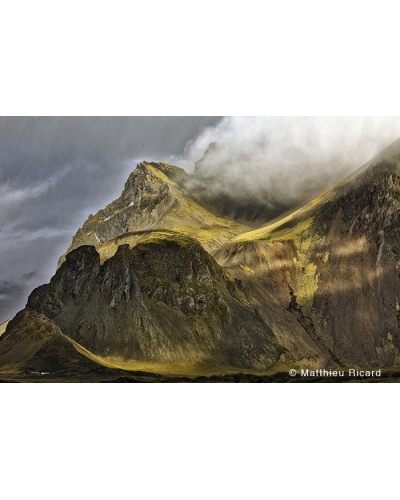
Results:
[280, 161]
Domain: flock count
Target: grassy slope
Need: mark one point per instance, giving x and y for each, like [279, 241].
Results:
[294, 227]
[192, 219]
[176, 369]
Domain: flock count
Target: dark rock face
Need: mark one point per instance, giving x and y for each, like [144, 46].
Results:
[368, 206]
[269, 273]
[164, 301]
[142, 205]
[357, 301]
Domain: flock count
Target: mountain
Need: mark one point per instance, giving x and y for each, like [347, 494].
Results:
[334, 264]
[162, 282]
[165, 301]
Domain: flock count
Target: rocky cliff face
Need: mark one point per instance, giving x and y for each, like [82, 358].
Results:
[146, 199]
[357, 300]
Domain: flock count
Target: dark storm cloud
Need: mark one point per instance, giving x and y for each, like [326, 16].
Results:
[32, 147]
[8, 288]
[59, 201]
[79, 161]
[90, 154]
[12, 293]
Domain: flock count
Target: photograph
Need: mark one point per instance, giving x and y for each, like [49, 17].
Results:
[200, 249]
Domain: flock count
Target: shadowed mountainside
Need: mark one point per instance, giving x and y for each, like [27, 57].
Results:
[164, 303]
[334, 264]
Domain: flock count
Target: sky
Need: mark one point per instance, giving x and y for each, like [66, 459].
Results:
[55, 171]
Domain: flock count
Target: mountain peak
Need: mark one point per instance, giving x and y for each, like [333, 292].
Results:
[154, 197]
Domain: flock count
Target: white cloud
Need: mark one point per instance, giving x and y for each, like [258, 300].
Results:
[286, 158]
[12, 195]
